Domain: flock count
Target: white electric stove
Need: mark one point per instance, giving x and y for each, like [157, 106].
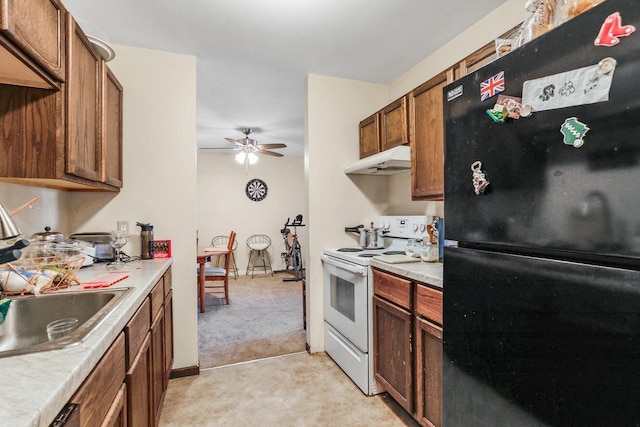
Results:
[348, 297]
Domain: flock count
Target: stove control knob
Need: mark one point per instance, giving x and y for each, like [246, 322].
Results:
[415, 227]
[422, 228]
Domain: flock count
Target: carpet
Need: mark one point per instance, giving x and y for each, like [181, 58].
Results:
[263, 319]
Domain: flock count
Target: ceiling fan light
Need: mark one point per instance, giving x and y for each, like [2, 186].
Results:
[252, 158]
[241, 156]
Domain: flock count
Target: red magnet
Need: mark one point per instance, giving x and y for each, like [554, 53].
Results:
[612, 29]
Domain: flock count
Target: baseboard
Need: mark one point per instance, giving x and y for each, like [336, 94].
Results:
[307, 347]
[185, 372]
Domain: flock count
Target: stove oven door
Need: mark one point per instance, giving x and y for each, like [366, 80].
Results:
[346, 298]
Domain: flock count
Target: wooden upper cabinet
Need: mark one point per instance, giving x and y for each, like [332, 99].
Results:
[394, 129]
[111, 129]
[427, 138]
[84, 83]
[370, 136]
[476, 60]
[70, 138]
[37, 29]
[482, 56]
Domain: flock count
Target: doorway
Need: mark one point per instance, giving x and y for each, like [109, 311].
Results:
[264, 318]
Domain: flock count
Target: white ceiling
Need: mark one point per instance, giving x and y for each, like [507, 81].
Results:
[253, 55]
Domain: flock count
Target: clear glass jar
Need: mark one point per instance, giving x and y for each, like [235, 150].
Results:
[413, 248]
[429, 251]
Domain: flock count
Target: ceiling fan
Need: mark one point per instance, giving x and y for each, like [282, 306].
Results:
[248, 148]
[250, 145]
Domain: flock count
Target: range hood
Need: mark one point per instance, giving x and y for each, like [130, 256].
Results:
[389, 162]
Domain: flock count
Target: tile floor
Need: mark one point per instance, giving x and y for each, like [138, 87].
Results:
[292, 390]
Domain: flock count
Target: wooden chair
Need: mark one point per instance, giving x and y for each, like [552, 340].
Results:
[221, 242]
[214, 275]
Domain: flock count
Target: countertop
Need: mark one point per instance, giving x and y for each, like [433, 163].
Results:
[425, 272]
[36, 386]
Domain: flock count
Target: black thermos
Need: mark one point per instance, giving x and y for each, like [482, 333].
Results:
[146, 237]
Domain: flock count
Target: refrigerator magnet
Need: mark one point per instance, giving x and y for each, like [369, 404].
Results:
[492, 86]
[611, 31]
[582, 86]
[480, 181]
[454, 93]
[498, 113]
[513, 105]
[573, 132]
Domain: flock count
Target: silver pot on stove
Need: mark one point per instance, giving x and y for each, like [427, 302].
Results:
[370, 238]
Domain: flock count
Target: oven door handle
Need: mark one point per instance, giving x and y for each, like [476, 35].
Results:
[353, 268]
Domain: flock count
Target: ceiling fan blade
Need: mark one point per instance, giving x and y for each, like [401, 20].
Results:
[234, 141]
[270, 153]
[271, 146]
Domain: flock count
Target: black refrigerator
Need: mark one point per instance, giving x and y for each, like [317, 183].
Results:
[542, 282]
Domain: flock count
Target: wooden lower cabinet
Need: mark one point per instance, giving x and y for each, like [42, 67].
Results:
[99, 392]
[157, 364]
[139, 385]
[168, 336]
[392, 357]
[117, 415]
[407, 345]
[428, 351]
[128, 385]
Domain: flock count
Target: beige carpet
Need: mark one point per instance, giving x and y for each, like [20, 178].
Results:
[263, 319]
[295, 390]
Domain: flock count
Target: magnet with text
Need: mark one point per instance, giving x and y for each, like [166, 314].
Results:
[612, 29]
[492, 86]
[573, 132]
[480, 181]
[454, 93]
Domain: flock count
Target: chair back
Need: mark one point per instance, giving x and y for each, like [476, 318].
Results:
[259, 242]
[221, 242]
[227, 259]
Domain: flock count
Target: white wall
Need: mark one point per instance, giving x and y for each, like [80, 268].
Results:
[159, 175]
[334, 109]
[223, 205]
[49, 211]
[500, 20]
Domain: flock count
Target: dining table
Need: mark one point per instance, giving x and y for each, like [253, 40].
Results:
[203, 256]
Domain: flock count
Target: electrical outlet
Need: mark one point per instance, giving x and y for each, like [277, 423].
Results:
[123, 226]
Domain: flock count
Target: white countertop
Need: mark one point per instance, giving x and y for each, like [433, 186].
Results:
[36, 386]
[425, 272]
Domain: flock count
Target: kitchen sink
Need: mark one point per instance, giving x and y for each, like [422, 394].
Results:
[54, 321]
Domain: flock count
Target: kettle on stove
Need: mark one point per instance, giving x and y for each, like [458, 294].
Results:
[370, 238]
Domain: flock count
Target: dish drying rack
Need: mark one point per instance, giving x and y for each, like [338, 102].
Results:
[39, 275]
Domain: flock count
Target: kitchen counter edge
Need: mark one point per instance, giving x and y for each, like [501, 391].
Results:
[425, 272]
[38, 385]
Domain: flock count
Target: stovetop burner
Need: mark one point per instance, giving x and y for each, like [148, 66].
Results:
[367, 255]
[393, 253]
[350, 250]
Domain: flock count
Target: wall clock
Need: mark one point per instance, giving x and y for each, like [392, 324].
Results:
[256, 189]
